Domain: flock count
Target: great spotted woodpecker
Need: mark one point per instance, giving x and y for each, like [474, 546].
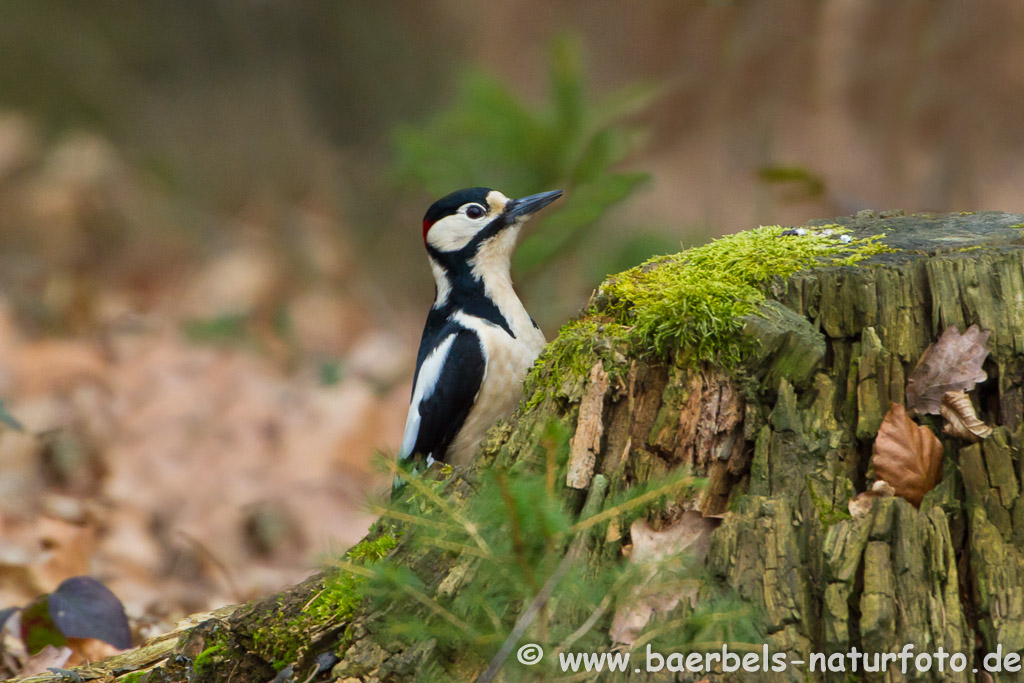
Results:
[479, 341]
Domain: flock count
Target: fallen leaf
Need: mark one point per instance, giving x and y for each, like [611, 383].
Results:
[860, 505]
[89, 650]
[56, 365]
[906, 455]
[953, 363]
[650, 549]
[961, 420]
[47, 658]
[82, 607]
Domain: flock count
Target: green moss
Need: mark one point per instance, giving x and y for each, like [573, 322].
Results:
[566, 361]
[689, 304]
[829, 512]
[693, 301]
[208, 657]
[281, 641]
[372, 550]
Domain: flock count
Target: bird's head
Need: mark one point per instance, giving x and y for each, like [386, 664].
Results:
[466, 220]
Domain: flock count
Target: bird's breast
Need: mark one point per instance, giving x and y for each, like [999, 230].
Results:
[508, 359]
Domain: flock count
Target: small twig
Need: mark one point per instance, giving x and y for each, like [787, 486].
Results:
[209, 554]
[654, 632]
[411, 519]
[313, 599]
[550, 462]
[531, 612]
[312, 674]
[518, 546]
[616, 510]
[353, 568]
[436, 607]
[495, 619]
[587, 625]
[594, 499]
[455, 547]
[420, 487]
[432, 604]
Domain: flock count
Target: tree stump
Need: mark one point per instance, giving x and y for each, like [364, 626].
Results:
[779, 420]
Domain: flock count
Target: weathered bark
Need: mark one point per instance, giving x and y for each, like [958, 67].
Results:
[784, 444]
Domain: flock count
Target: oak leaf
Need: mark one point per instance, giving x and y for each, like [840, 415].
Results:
[953, 363]
[961, 420]
[906, 455]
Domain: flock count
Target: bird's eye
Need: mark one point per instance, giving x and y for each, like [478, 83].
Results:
[474, 211]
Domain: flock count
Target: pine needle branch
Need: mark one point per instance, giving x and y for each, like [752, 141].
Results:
[642, 499]
[414, 481]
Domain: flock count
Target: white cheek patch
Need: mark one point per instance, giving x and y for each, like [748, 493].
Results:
[452, 233]
[426, 381]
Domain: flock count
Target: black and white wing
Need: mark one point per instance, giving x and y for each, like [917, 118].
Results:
[447, 381]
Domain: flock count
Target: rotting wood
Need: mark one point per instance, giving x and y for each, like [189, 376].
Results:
[586, 442]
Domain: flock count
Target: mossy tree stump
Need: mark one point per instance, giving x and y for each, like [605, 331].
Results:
[783, 436]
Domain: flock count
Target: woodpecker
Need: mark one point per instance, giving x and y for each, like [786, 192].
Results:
[479, 341]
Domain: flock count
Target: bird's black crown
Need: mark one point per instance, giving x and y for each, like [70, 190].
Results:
[450, 203]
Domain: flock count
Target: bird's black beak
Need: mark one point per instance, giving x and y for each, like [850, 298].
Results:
[524, 206]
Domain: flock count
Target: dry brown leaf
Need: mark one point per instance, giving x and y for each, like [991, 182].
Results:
[961, 420]
[691, 532]
[953, 363]
[42, 661]
[56, 365]
[85, 650]
[906, 455]
[861, 504]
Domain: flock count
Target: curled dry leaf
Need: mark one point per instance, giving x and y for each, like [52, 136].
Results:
[861, 504]
[961, 420]
[650, 548]
[953, 363]
[906, 455]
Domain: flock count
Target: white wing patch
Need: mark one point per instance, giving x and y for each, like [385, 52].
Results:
[426, 381]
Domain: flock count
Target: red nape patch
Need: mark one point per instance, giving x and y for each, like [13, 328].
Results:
[426, 228]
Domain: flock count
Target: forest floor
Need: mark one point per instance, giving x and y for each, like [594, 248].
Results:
[189, 452]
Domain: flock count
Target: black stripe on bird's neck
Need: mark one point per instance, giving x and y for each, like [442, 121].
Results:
[466, 291]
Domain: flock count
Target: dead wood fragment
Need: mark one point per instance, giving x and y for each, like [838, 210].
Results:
[586, 442]
[708, 420]
[961, 420]
[861, 504]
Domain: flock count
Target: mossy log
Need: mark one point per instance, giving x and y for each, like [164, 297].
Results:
[784, 440]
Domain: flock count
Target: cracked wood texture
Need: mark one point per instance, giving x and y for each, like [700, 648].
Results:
[784, 443]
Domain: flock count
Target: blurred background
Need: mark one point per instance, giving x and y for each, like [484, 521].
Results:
[212, 273]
